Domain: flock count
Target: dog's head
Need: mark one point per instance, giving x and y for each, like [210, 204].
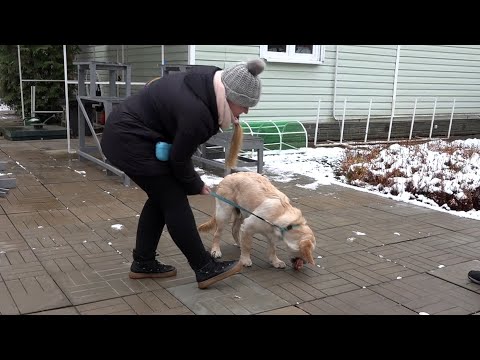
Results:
[301, 243]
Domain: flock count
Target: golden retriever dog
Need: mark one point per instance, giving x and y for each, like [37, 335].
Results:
[255, 193]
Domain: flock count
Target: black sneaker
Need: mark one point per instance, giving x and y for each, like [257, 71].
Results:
[474, 276]
[215, 271]
[151, 269]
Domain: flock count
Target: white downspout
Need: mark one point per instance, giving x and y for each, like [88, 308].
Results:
[335, 82]
[163, 60]
[394, 96]
[191, 54]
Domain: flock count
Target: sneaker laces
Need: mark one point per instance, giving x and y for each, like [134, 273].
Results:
[213, 266]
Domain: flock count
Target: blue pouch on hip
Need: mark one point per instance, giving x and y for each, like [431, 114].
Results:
[162, 150]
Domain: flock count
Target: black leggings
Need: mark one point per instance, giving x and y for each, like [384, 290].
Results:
[167, 204]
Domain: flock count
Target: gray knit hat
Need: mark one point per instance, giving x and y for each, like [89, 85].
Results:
[242, 85]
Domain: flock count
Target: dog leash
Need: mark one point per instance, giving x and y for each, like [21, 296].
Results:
[282, 229]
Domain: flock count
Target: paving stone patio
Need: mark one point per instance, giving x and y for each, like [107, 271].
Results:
[60, 255]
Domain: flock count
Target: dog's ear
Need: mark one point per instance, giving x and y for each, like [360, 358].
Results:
[306, 250]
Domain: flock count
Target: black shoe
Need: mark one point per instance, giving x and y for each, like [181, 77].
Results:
[474, 276]
[151, 269]
[215, 271]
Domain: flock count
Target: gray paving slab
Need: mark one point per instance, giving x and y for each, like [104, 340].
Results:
[357, 302]
[430, 294]
[456, 274]
[236, 295]
[36, 293]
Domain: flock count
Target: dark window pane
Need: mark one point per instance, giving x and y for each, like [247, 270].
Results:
[277, 48]
[304, 49]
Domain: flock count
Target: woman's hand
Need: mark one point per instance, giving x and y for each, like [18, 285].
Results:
[205, 190]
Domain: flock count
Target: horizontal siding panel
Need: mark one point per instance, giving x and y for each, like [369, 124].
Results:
[209, 63]
[369, 78]
[386, 50]
[350, 91]
[371, 59]
[297, 90]
[353, 64]
[439, 82]
[292, 82]
[146, 47]
[414, 73]
[439, 68]
[284, 112]
[307, 105]
[435, 50]
[345, 71]
[176, 54]
[219, 55]
[433, 92]
[293, 98]
[300, 75]
[276, 117]
[144, 58]
[238, 49]
[453, 63]
[435, 56]
[355, 85]
[146, 67]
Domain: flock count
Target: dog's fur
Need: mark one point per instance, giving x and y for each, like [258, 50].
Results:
[257, 194]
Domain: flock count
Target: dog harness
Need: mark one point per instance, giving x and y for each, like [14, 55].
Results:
[282, 229]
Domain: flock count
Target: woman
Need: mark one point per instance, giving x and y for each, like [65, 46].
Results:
[180, 111]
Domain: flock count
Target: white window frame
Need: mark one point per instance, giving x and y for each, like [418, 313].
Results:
[318, 56]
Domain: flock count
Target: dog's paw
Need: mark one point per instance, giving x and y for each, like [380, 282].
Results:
[279, 264]
[246, 261]
[216, 253]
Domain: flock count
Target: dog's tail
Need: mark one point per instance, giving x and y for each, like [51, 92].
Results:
[208, 226]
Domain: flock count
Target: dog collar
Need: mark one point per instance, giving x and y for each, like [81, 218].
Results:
[283, 230]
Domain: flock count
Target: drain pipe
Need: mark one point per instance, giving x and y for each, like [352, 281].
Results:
[335, 83]
[394, 96]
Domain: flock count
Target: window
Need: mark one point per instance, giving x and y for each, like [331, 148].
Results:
[304, 54]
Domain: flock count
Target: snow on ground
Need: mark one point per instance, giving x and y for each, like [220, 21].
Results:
[422, 165]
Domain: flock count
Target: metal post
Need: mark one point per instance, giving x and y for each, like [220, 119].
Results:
[413, 119]
[343, 119]
[368, 120]
[316, 126]
[451, 119]
[21, 84]
[67, 108]
[433, 117]
[32, 101]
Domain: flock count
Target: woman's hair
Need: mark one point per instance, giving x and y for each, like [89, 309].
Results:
[149, 82]
[235, 146]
